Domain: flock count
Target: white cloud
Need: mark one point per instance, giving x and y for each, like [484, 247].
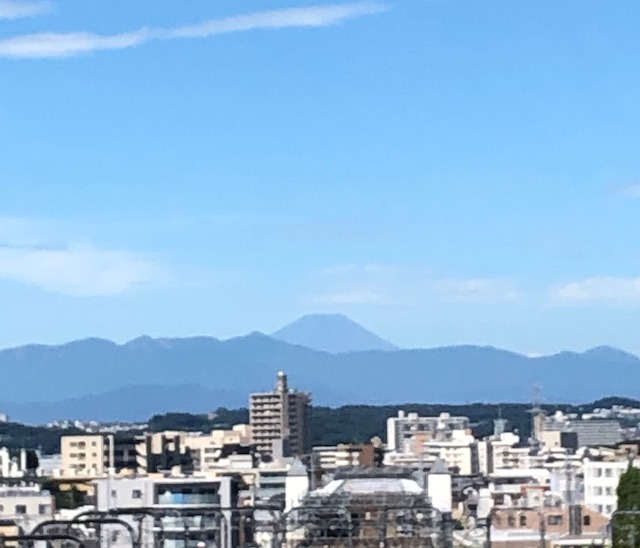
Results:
[80, 272]
[56, 45]
[603, 290]
[31, 256]
[15, 9]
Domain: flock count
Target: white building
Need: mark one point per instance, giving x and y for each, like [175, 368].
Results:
[331, 457]
[296, 485]
[221, 448]
[404, 430]
[16, 463]
[459, 452]
[170, 493]
[439, 487]
[601, 482]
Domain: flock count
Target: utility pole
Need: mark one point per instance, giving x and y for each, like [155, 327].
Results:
[543, 529]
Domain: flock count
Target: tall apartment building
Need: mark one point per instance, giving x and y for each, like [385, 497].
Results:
[279, 420]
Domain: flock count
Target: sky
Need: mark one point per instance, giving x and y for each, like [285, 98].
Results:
[441, 171]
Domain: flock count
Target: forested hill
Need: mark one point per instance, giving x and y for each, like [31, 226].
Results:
[329, 426]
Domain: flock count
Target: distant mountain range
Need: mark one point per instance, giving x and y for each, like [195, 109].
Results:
[96, 378]
[333, 333]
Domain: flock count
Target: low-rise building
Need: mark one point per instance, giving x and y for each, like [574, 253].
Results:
[588, 433]
[219, 449]
[459, 450]
[406, 428]
[19, 463]
[26, 505]
[185, 507]
[331, 458]
[514, 527]
[365, 507]
[95, 455]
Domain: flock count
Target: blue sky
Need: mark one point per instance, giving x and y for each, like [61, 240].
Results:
[444, 171]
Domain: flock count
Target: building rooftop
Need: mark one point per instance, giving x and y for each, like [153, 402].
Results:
[370, 486]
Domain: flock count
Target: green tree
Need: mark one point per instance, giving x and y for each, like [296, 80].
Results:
[626, 522]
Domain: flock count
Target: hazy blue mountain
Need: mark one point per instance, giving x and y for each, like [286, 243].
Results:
[331, 333]
[129, 403]
[203, 373]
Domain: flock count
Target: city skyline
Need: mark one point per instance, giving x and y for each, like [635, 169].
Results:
[443, 172]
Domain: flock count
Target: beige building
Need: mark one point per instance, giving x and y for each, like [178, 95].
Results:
[279, 420]
[221, 448]
[97, 455]
[525, 528]
[331, 458]
[86, 455]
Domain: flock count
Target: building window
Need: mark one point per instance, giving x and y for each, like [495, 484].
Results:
[586, 521]
[44, 509]
[136, 494]
[1, 509]
[608, 491]
[554, 519]
[597, 472]
[608, 473]
[114, 494]
[609, 509]
[523, 520]
[597, 491]
[511, 521]
[21, 509]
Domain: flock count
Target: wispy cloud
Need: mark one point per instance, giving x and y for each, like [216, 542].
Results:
[476, 290]
[373, 284]
[16, 9]
[76, 270]
[629, 191]
[354, 296]
[56, 45]
[353, 284]
[599, 290]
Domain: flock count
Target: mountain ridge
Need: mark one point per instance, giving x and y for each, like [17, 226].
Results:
[239, 366]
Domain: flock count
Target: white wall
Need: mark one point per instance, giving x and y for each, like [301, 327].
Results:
[439, 491]
[296, 487]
